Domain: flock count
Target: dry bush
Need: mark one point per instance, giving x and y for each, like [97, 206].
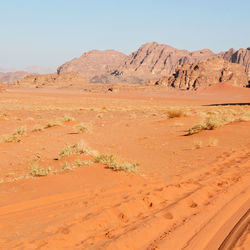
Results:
[76, 164]
[37, 171]
[79, 148]
[212, 121]
[83, 128]
[51, 124]
[111, 162]
[16, 136]
[67, 118]
[176, 112]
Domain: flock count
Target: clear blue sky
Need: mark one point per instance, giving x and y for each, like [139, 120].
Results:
[49, 32]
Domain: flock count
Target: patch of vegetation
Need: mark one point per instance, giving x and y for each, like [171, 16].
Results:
[79, 148]
[37, 171]
[53, 124]
[176, 112]
[15, 137]
[67, 118]
[111, 162]
[76, 164]
[83, 128]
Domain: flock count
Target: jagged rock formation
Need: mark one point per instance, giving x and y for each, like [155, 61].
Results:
[153, 60]
[204, 74]
[94, 62]
[150, 61]
[241, 56]
[53, 80]
[10, 77]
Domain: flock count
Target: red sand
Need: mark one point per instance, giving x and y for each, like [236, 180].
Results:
[182, 197]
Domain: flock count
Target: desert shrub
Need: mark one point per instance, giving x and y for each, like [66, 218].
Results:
[76, 164]
[36, 170]
[16, 136]
[78, 148]
[211, 122]
[176, 112]
[83, 128]
[111, 162]
[51, 124]
[67, 118]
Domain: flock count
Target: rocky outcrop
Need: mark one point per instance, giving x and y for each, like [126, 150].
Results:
[204, 74]
[94, 62]
[241, 56]
[153, 60]
[52, 80]
[10, 77]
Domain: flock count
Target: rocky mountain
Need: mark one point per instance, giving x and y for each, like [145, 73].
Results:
[241, 56]
[153, 60]
[53, 80]
[193, 76]
[10, 77]
[150, 61]
[94, 62]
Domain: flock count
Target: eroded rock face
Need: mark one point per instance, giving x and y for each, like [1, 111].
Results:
[150, 61]
[52, 80]
[94, 62]
[204, 74]
[153, 60]
[241, 56]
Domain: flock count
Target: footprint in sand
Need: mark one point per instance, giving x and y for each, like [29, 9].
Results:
[168, 216]
[123, 217]
[191, 203]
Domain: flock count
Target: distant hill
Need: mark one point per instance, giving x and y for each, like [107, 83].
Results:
[150, 61]
[10, 77]
[94, 62]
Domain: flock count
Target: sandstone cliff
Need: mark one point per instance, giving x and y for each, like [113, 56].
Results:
[153, 60]
[204, 74]
[241, 56]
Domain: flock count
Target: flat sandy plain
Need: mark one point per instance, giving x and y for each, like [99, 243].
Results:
[191, 192]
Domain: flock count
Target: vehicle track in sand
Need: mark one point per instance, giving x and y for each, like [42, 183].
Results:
[146, 215]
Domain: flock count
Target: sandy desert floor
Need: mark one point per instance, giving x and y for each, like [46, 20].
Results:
[191, 192]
